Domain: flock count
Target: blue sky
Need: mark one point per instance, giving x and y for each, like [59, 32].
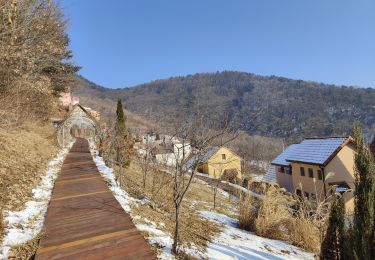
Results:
[121, 43]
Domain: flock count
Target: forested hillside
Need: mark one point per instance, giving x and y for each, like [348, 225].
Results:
[95, 96]
[270, 106]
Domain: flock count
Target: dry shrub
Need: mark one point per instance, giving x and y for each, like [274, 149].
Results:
[274, 215]
[34, 59]
[247, 213]
[281, 216]
[31, 101]
[310, 224]
[304, 233]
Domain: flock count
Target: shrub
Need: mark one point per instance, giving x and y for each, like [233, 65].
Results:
[248, 212]
[280, 216]
[274, 215]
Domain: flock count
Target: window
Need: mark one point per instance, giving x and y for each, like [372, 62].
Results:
[311, 173]
[302, 170]
[306, 194]
[289, 171]
[223, 157]
[320, 175]
[299, 192]
[282, 169]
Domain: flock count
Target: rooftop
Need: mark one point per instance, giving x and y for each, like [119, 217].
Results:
[281, 159]
[312, 150]
[195, 158]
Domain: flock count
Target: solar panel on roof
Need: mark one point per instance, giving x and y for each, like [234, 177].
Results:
[281, 159]
[315, 151]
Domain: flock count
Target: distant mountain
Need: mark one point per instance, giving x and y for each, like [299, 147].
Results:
[269, 106]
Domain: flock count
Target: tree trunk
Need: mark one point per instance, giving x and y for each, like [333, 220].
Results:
[176, 230]
[120, 177]
[215, 191]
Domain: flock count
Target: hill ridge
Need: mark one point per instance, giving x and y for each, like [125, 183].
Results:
[263, 105]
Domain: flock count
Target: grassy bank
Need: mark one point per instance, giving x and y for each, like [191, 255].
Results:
[24, 153]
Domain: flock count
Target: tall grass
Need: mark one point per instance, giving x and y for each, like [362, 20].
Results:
[281, 216]
[248, 213]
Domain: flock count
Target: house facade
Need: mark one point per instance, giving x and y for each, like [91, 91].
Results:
[219, 161]
[316, 166]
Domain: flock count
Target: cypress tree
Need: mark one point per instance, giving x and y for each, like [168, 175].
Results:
[122, 143]
[333, 245]
[372, 147]
[364, 195]
[120, 117]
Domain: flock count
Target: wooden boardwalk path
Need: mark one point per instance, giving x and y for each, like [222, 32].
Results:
[84, 220]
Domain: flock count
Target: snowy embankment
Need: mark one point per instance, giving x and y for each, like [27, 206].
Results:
[235, 243]
[231, 243]
[22, 226]
[157, 236]
[162, 240]
[238, 187]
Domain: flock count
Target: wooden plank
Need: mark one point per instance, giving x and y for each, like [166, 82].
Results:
[84, 220]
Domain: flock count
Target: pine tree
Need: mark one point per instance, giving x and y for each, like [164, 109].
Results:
[364, 199]
[120, 124]
[333, 246]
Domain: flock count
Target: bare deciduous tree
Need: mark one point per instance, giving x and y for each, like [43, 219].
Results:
[195, 133]
[144, 157]
[34, 59]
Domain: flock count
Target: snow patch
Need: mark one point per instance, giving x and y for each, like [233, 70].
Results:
[122, 196]
[234, 243]
[21, 226]
[231, 243]
[162, 240]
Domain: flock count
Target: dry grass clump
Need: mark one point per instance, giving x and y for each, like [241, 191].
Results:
[26, 250]
[160, 209]
[281, 216]
[24, 153]
[274, 215]
[304, 233]
[247, 213]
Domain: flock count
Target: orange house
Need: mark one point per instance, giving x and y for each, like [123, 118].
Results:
[315, 166]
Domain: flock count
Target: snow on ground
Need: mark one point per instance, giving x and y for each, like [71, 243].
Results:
[231, 243]
[234, 243]
[249, 192]
[238, 187]
[21, 226]
[122, 196]
[156, 237]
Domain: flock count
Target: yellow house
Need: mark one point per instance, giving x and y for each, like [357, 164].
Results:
[316, 166]
[221, 162]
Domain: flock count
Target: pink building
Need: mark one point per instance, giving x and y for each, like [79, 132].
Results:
[67, 100]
